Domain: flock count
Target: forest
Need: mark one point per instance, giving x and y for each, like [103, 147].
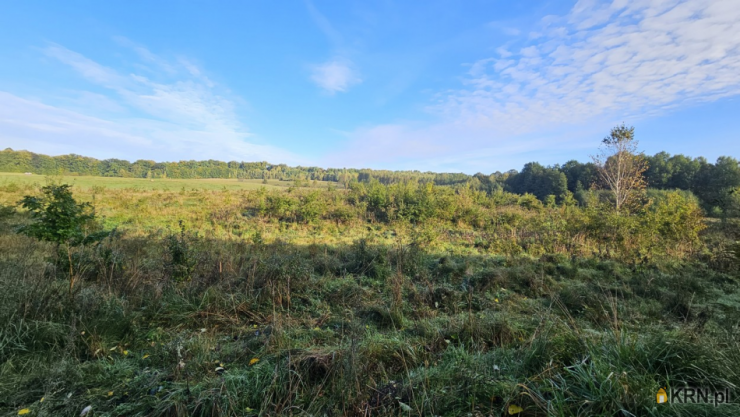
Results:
[573, 290]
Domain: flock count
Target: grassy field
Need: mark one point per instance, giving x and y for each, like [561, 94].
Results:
[312, 302]
[142, 205]
[142, 184]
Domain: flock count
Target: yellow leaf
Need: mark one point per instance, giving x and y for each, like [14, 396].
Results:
[42, 399]
[113, 348]
[110, 393]
[145, 356]
[253, 361]
[515, 409]
[23, 411]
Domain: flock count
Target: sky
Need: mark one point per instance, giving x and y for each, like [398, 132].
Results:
[447, 86]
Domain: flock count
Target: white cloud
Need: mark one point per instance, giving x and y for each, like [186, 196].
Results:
[601, 63]
[30, 124]
[183, 116]
[335, 76]
[620, 58]
[88, 68]
[339, 74]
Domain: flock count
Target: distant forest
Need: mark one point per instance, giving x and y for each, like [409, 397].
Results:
[714, 184]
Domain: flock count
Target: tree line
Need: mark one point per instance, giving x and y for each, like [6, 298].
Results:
[714, 184]
[72, 164]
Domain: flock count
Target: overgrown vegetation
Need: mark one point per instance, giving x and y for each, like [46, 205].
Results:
[382, 299]
[59, 219]
[716, 184]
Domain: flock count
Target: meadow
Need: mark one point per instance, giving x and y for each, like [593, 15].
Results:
[162, 184]
[221, 297]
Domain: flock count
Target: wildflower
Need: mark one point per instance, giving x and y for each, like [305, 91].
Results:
[125, 352]
[23, 411]
[253, 361]
[496, 300]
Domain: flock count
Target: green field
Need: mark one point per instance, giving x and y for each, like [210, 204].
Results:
[402, 300]
[143, 184]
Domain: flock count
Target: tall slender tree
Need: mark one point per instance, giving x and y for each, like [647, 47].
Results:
[620, 166]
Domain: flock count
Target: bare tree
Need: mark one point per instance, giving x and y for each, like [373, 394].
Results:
[620, 166]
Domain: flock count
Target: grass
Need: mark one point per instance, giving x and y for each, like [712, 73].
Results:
[347, 319]
[143, 184]
[149, 205]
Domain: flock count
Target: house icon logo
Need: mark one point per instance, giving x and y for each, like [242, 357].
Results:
[661, 397]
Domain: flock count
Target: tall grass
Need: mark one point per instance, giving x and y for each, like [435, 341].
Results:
[242, 314]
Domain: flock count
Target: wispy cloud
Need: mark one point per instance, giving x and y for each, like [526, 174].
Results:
[324, 25]
[167, 108]
[88, 68]
[335, 76]
[624, 58]
[603, 62]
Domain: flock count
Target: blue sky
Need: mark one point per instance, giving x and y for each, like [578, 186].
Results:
[470, 86]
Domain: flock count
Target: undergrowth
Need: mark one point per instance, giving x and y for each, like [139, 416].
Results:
[164, 323]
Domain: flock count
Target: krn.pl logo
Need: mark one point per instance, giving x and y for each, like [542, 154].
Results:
[693, 395]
